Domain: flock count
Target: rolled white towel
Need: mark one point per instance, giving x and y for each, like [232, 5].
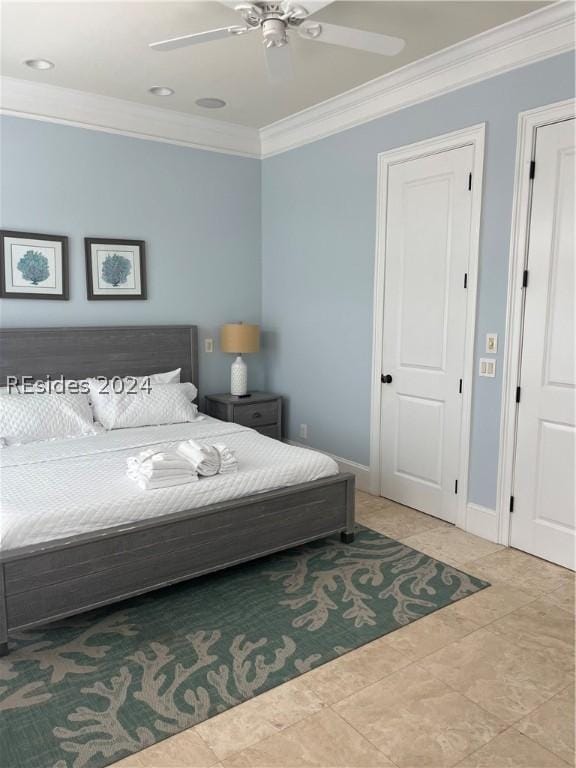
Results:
[204, 458]
[228, 461]
[208, 460]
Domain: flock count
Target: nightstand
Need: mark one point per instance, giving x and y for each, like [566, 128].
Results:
[262, 411]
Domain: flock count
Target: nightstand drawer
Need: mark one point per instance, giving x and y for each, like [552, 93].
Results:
[256, 415]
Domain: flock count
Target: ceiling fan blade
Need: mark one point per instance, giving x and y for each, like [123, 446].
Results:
[279, 63]
[230, 3]
[196, 38]
[352, 38]
[313, 6]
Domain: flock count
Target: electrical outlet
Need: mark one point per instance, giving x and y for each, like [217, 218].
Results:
[487, 367]
[304, 431]
[208, 345]
[492, 343]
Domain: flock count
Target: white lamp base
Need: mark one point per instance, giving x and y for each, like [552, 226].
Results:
[239, 377]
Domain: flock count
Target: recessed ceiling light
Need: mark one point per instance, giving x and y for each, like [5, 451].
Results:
[39, 64]
[160, 90]
[211, 103]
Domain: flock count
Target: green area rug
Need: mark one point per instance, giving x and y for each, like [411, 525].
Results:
[93, 689]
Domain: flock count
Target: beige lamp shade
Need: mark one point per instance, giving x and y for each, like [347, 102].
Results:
[239, 338]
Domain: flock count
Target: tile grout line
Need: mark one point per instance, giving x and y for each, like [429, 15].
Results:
[474, 751]
[508, 725]
[363, 735]
[541, 746]
[452, 688]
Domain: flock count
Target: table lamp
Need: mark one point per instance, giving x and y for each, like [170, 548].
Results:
[239, 338]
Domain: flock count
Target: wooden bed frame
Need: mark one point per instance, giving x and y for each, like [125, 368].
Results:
[48, 581]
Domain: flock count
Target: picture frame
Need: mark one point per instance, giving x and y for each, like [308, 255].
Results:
[33, 265]
[115, 269]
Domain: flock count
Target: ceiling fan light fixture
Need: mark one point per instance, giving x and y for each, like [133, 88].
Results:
[209, 102]
[160, 90]
[39, 64]
[274, 32]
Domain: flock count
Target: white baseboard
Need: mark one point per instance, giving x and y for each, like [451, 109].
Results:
[360, 471]
[482, 521]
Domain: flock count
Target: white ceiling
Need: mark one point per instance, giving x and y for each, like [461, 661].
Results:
[102, 47]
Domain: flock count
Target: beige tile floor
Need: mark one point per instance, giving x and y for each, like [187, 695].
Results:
[485, 683]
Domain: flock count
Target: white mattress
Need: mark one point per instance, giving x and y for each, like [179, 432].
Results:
[61, 488]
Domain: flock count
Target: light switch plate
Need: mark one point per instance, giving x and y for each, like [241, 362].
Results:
[208, 345]
[487, 367]
[492, 343]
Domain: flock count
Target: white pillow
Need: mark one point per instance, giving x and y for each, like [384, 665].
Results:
[170, 377]
[189, 390]
[32, 418]
[141, 407]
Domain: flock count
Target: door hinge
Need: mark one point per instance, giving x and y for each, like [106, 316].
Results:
[465, 279]
[525, 279]
[511, 503]
[456, 486]
[517, 394]
[532, 168]
[460, 387]
[469, 181]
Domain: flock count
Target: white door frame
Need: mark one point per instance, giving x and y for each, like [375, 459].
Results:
[528, 122]
[474, 135]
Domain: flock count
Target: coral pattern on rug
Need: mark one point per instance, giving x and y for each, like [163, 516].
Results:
[90, 690]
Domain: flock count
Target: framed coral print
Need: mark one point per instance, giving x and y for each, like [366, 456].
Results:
[33, 266]
[115, 269]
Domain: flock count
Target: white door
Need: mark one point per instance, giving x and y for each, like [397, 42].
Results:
[427, 248]
[543, 518]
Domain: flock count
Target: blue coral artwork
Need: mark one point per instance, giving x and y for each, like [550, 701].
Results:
[115, 269]
[33, 266]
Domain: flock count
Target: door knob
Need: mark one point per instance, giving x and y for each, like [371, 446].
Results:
[386, 379]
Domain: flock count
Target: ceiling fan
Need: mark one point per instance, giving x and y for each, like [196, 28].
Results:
[275, 20]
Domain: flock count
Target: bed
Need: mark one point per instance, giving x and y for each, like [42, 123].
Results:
[77, 534]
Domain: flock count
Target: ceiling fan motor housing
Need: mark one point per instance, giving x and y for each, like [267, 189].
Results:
[274, 32]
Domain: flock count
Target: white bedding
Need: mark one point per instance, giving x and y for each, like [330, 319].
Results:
[61, 488]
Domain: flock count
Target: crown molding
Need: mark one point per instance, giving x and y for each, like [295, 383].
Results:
[50, 103]
[528, 39]
[539, 35]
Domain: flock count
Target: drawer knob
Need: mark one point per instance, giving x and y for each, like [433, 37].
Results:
[256, 415]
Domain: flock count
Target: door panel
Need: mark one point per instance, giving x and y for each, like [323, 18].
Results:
[424, 417]
[424, 280]
[427, 250]
[544, 493]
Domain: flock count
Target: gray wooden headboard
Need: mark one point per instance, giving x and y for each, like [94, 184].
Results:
[75, 353]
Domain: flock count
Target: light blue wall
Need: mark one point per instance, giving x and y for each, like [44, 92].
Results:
[318, 241]
[202, 215]
[199, 213]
